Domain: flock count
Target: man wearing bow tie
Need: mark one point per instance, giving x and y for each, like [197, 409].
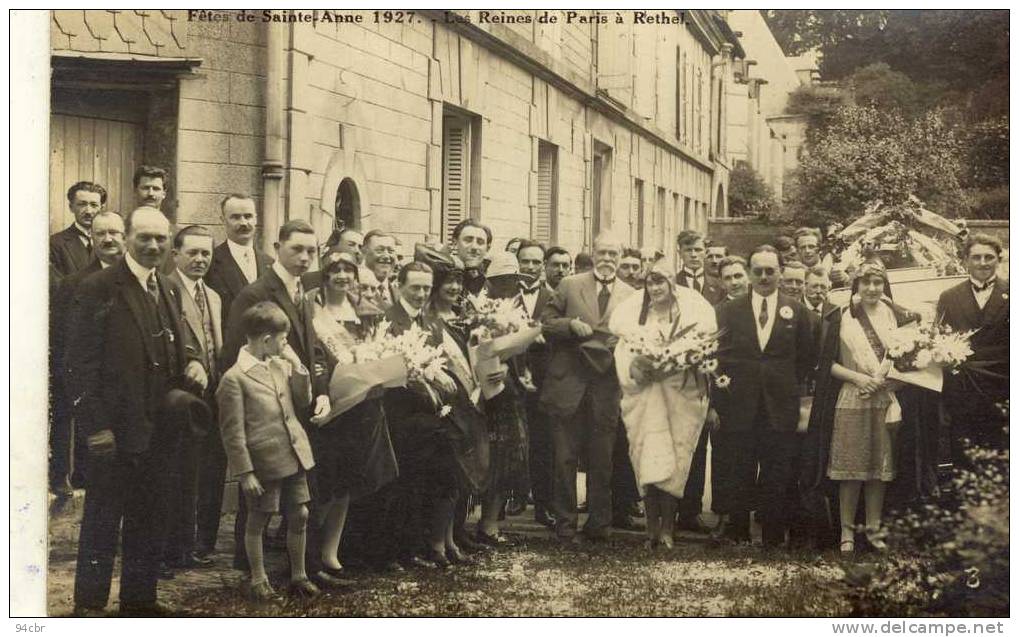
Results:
[471, 242]
[536, 295]
[581, 392]
[129, 358]
[71, 248]
[767, 349]
[979, 303]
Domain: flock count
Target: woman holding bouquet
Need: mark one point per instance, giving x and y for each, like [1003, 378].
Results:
[353, 452]
[858, 410]
[465, 426]
[663, 414]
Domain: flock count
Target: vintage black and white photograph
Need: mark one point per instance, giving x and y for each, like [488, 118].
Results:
[526, 313]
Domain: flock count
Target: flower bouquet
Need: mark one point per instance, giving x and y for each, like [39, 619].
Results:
[499, 329]
[687, 351]
[382, 360]
[918, 354]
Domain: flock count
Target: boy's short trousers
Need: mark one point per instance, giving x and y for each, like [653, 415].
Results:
[292, 489]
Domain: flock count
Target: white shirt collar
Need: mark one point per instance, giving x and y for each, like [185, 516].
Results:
[190, 285]
[139, 272]
[989, 283]
[246, 360]
[103, 264]
[290, 282]
[85, 232]
[237, 249]
[411, 312]
[699, 274]
[772, 298]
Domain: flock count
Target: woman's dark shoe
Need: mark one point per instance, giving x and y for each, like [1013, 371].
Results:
[415, 561]
[495, 541]
[467, 544]
[338, 574]
[324, 580]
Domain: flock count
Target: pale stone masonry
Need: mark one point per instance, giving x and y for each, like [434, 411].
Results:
[555, 129]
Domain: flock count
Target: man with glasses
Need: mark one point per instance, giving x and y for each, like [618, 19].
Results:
[767, 349]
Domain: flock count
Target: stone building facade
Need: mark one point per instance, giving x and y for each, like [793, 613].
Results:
[551, 129]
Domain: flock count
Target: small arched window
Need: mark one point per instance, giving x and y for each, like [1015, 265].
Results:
[348, 204]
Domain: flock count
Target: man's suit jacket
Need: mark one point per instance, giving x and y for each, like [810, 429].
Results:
[67, 253]
[569, 375]
[113, 370]
[713, 290]
[769, 380]
[404, 403]
[258, 420]
[193, 319]
[972, 391]
[227, 279]
[538, 353]
[269, 287]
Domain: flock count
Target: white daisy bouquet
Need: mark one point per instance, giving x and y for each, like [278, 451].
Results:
[689, 350]
[392, 360]
[489, 318]
[919, 353]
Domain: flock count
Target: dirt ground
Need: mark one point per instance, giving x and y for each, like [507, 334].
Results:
[536, 576]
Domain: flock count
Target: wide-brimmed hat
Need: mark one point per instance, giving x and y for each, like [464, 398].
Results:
[504, 265]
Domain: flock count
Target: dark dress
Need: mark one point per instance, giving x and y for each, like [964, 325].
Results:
[353, 452]
[915, 446]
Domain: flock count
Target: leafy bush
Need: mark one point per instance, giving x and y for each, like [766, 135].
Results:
[987, 153]
[949, 557]
[866, 154]
[749, 194]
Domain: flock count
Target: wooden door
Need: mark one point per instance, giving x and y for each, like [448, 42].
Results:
[92, 149]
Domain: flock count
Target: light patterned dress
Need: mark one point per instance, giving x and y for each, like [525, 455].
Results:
[863, 439]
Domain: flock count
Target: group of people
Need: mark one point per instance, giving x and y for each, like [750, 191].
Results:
[178, 365]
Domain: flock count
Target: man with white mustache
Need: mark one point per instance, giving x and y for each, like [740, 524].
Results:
[581, 392]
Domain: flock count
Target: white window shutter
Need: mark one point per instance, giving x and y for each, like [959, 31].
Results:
[455, 173]
[542, 225]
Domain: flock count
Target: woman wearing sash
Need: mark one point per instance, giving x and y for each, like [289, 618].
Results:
[858, 411]
[353, 452]
[663, 416]
[465, 426]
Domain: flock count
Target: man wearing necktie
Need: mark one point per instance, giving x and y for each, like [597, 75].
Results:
[296, 248]
[236, 262]
[202, 469]
[129, 361]
[71, 248]
[767, 348]
[980, 303]
[581, 392]
[693, 274]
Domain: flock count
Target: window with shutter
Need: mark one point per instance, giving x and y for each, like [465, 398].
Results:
[679, 93]
[456, 178]
[543, 223]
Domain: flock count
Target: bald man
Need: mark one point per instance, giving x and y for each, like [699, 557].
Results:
[129, 360]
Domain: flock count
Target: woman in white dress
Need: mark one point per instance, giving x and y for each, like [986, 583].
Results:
[663, 416]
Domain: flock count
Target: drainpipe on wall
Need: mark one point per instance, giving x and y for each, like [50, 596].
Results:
[272, 163]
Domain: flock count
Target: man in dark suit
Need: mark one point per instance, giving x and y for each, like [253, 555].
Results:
[535, 295]
[421, 487]
[379, 252]
[471, 242]
[980, 303]
[71, 248]
[67, 444]
[201, 469]
[128, 357]
[767, 349]
[281, 284]
[557, 266]
[236, 262]
[693, 274]
[714, 253]
[581, 392]
[815, 291]
[732, 272]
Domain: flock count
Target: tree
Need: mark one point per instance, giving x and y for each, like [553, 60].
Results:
[865, 154]
[749, 194]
